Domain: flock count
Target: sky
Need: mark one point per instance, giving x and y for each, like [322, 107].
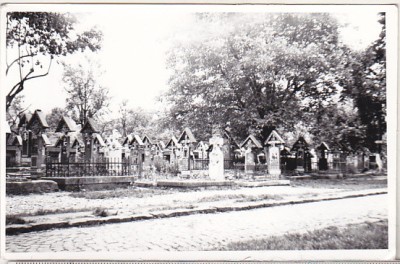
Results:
[133, 53]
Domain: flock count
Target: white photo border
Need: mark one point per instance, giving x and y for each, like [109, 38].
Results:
[257, 6]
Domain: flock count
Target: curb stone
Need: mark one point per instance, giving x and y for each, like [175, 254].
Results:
[26, 228]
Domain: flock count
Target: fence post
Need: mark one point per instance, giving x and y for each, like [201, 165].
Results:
[68, 174]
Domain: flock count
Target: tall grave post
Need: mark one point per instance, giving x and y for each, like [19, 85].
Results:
[88, 130]
[66, 125]
[216, 166]
[303, 160]
[273, 143]
[38, 125]
[252, 146]
[323, 151]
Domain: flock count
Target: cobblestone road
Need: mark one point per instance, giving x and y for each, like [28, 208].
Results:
[203, 232]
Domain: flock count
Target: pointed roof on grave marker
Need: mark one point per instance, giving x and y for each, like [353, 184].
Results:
[232, 141]
[174, 141]
[14, 140]
[274, 138]
[46, 140]
[90, 126]
[76, 141]
[189, 134]
[17, 141]
[323, 146]
[100, 140]
[39, 117]
[24, 119]
[253, 139]
[127, 140]
[66, 123]
[226, 135]
[146, 138]
[59, 140]
[202, 145]
[300, 142]
[160, 145]
[53, 137]
[136, 138]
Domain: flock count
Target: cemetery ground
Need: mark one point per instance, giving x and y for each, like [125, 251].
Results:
[362, 216]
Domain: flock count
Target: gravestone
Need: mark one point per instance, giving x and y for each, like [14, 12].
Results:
[249, 160]
[252, 146]
[216, 166]
[303, 156]
[323, 151]
[273, 143]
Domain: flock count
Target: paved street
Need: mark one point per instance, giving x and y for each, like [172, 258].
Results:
[202, 232]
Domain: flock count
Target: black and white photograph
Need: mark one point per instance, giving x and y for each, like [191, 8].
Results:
[197, 132]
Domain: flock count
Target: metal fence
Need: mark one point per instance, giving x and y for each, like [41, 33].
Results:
[99, 167]
[202, 164]
[199, 164]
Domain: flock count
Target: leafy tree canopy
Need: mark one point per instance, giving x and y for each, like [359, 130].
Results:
[54, 117]
[251, 73]
[34, 39]
[364, 81]
[86, 97]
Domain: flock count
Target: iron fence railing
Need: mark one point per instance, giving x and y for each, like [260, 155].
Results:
[203, 164]
[100, 167]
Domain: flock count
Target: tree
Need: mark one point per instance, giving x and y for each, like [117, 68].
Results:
[365, 84]
[253, 73]
[54, 117]
[16, 109]
[132, 120]
[86, 97]
[35, 39]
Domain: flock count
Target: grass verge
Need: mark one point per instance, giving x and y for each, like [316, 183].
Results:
[355, 236]
[14, 220]
[133, 192]
[139, 192]
[348, 183]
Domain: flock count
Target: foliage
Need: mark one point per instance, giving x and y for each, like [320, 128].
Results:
[132, 120]
[86, 98]
[54, 117]
[255, 73]
[106, 125]
[361, 236]
[16, 109]
[173, 168]
[339, 123]
[133, 192]
[34, 39]
[160, 165]
[14, 220]
[365, 83]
